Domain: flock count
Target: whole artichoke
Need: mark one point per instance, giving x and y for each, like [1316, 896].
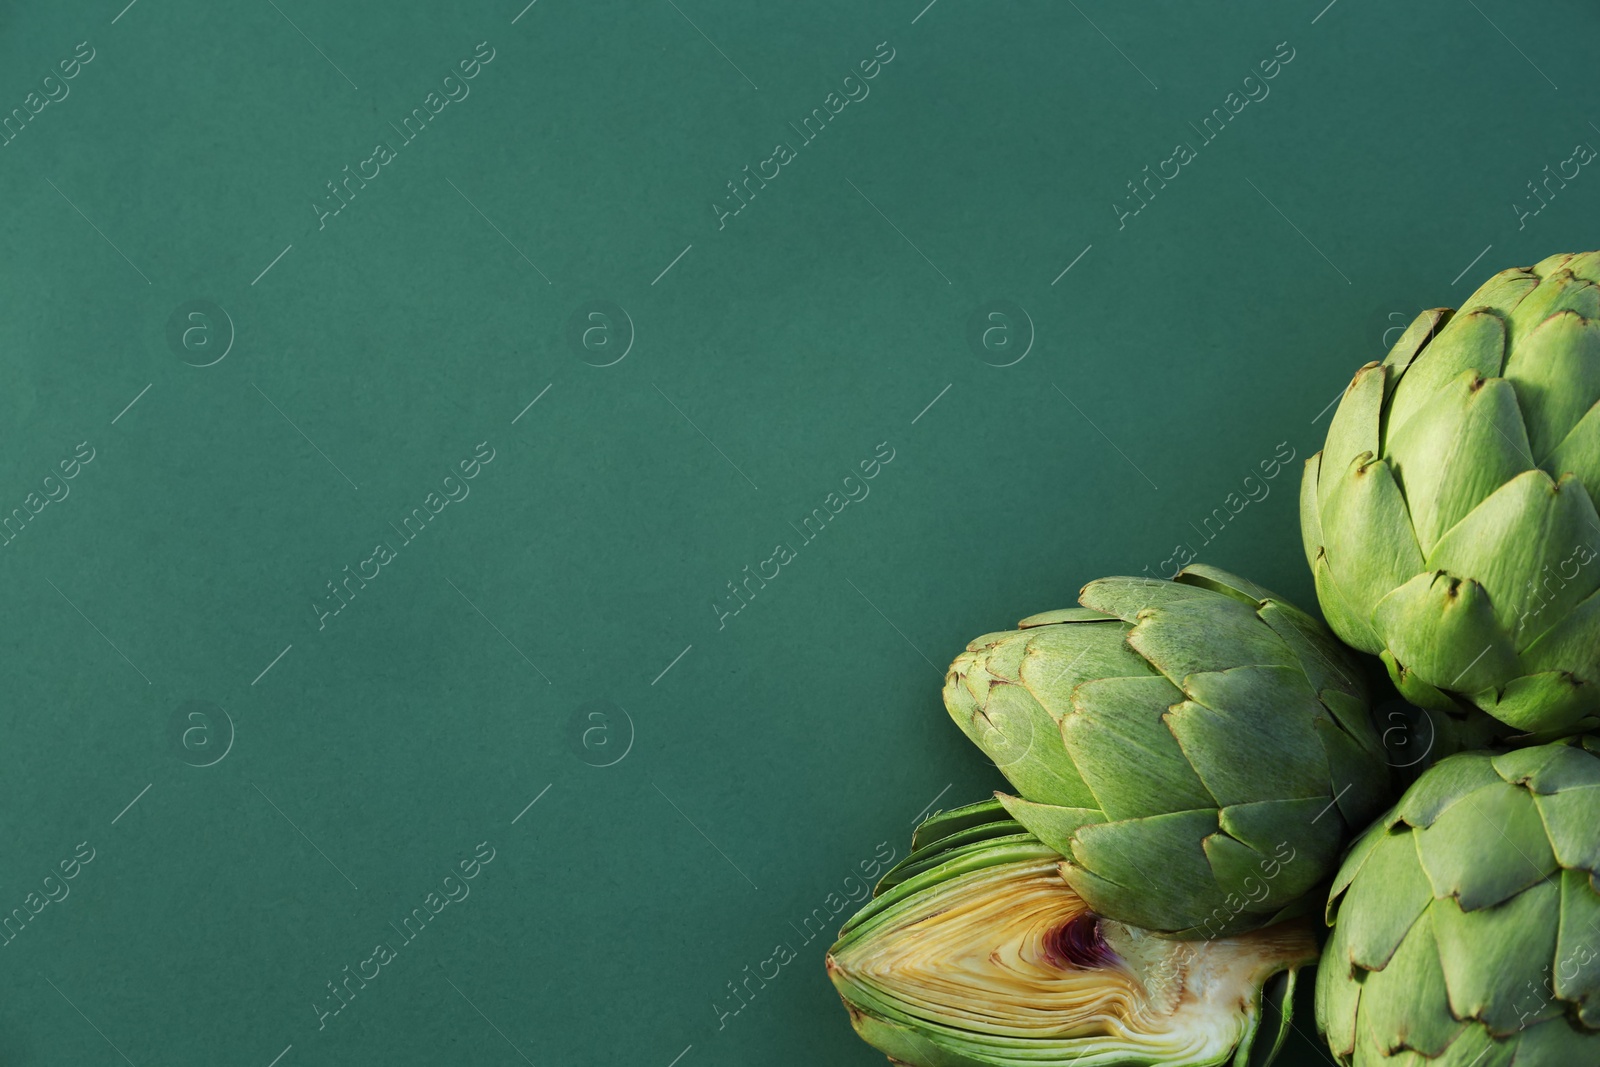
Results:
[1466, 924]
[1450, 519]
[1198, 750]
[977, 953]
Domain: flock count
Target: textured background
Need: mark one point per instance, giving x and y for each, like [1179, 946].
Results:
[565, 636]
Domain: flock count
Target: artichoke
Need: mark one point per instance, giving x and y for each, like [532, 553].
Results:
[1466, 923]
[1198, 750]
[976, 952]
[1450, 520]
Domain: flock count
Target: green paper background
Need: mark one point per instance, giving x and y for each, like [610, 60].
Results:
[755, 759]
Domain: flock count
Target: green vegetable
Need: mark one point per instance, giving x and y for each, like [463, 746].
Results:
[1466, 923]
[1199, 750]
[1450, 520]
[977, 953]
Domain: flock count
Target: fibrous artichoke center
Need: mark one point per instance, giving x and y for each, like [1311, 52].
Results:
[1010, 961]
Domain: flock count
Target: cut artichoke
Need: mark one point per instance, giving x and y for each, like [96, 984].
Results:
[978, 952]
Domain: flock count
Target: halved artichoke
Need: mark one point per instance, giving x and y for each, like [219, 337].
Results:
[977, 953]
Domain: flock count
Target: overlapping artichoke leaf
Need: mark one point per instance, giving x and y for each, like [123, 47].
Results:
[1450, 519]
[1197, 750]
[1467, 920]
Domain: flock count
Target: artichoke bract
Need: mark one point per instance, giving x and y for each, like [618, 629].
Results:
[1466, 923]
[1198, 750]
[976, 952]
[1450, 520]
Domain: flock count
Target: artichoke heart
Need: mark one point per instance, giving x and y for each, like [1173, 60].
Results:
[986, 955]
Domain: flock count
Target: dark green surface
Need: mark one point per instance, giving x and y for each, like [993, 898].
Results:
[785, 745]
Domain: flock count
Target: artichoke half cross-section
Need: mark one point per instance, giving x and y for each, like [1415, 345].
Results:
[1198, 750]
[1450, 519]
[977, 953]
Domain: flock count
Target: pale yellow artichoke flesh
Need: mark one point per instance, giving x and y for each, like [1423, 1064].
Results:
[1006, 963]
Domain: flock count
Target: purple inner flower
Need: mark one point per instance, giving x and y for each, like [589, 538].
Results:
[1079, 943]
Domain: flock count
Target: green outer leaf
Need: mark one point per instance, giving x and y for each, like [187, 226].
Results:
[1573, 643]
[1371, 548]
[1127, 597]
[1575, 977]
[1444, 629]
[1473, 1047]
[1556, 292]
[1354, 430]
[1530, 522]
[1472, 341]
[967, 861]
[1490, 957]
[1453, 454]
[1338, 996]
[1550, 704]
[941, 834]
[1311, 510]
[1124, 752]
[1296, 842]
[943, 824]
[1353, 627]
[1228, 584]
[1354, 860]
[1416, 336]
[1556, 371]
[1022, 739]
[1274, 1019]
[1269, 825]
[1549, 768]
[1052, 824]
[951, 850]
[1303, 908]
[1241, 872]
[983, 643]
[1551, 263]
[910, 1044]
[1579, 453]
[1486, 847]
[1415, 690]
[1002, 658]
[1061, 658]
[1184, 639]
[1506, 289]
[1327, 663]
[1585, 265]
[1385, 900]
[1146, 872]
[1445, 783]
[1247, 732]
[1571, 818]
[1355, 718]
[1552, 1044]
[1060, 615]
[1404, 1004]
